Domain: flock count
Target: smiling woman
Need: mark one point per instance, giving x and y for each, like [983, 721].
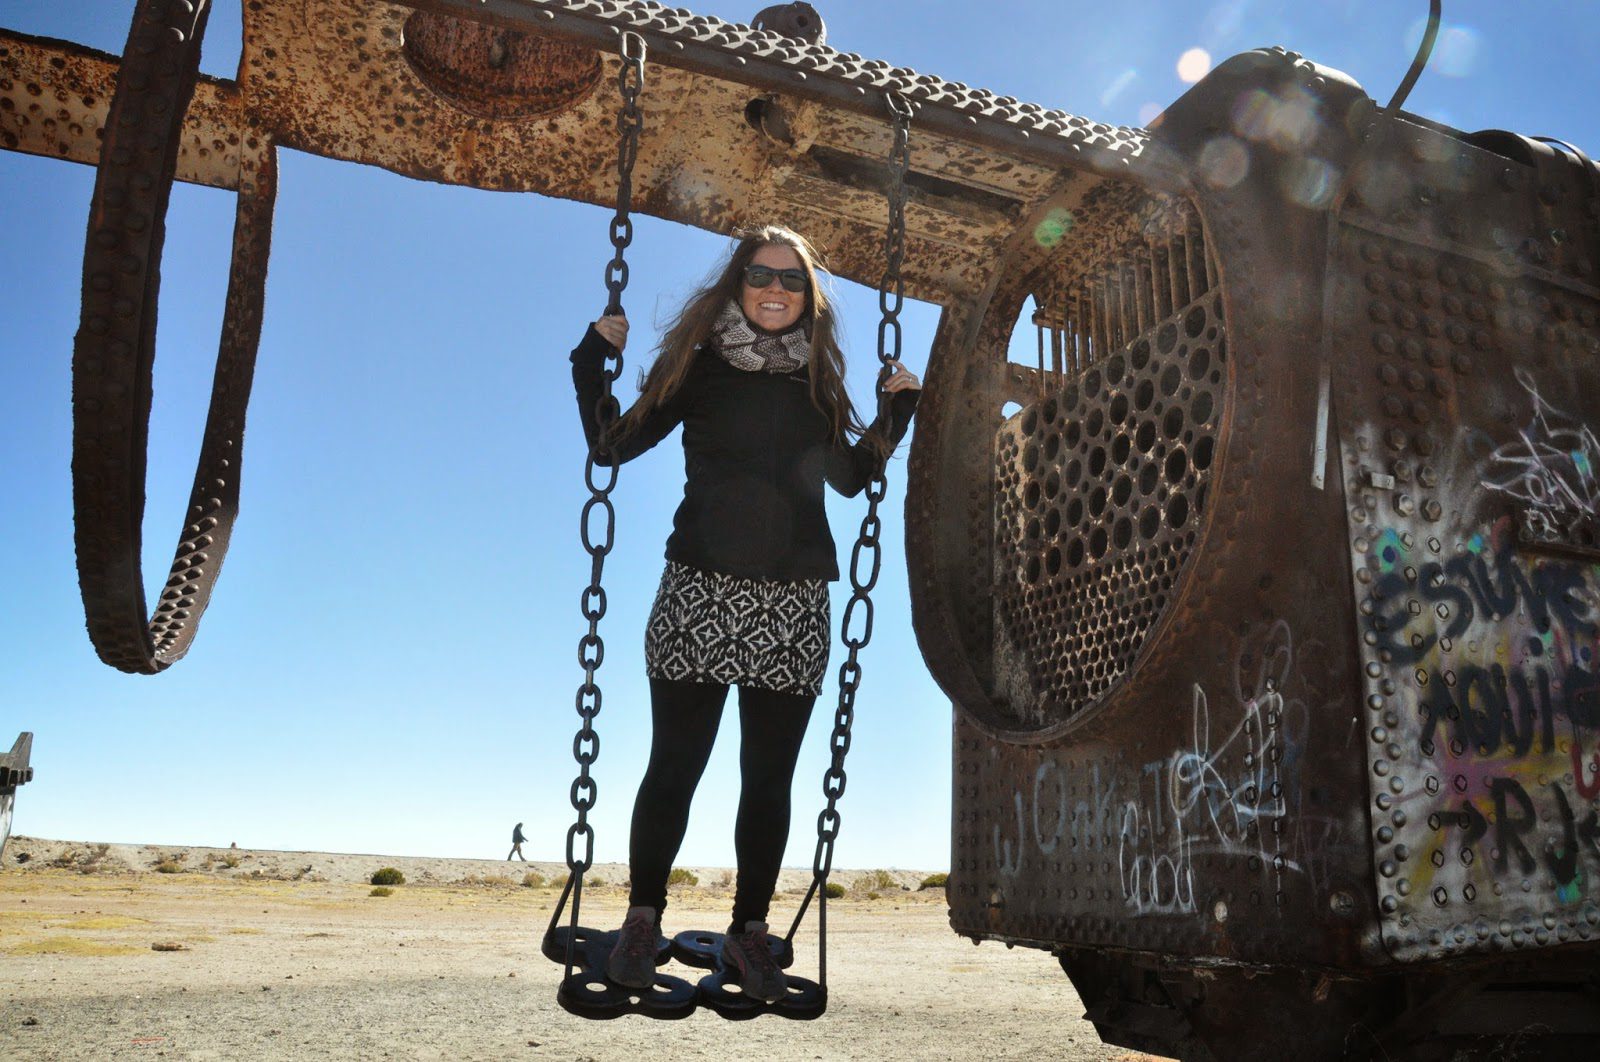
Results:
[752, 370]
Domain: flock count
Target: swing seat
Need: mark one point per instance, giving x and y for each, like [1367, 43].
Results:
[588, 994]
[719, 991]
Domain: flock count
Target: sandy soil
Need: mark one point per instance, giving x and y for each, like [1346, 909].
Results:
[286, 955]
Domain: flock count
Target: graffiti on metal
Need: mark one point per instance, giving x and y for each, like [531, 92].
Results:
[1224, 795]
[1481, 621]
[1549, 470]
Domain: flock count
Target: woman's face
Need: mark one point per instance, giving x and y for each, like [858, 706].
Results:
[772, 307]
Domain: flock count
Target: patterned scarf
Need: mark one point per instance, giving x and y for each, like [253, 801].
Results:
[746, 347]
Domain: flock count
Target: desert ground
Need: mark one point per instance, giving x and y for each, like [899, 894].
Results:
[122, 951]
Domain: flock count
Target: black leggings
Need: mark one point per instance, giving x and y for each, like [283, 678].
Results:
[684, 718]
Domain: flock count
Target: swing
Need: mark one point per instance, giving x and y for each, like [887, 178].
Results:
[583, 951]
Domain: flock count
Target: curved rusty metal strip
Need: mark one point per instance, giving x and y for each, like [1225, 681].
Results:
[115, 350]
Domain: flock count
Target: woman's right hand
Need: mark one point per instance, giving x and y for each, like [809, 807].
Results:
[614, 330]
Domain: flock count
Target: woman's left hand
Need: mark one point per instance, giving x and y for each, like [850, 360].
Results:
[901, 379]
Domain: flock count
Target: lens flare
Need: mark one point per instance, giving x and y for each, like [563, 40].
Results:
[1455, 53]
[1056, 224]
[1193, 65]
[1310, 182]
[1289, 122]
[1117, 86]
[1224, 161]
[1222, 23]
[1252, 114]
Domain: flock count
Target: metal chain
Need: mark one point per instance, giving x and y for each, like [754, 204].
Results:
[630, 123]
[891, 297]
[591, 647]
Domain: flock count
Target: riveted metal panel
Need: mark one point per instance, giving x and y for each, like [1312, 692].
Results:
[1469, 456]
[1196, 795]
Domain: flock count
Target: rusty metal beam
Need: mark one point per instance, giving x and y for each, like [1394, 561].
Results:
[54, 96]
[768, 62]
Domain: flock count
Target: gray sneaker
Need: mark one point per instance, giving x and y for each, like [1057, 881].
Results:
[750, 956]
[632, 963]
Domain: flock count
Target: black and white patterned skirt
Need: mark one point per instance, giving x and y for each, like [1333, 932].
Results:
[711, 627]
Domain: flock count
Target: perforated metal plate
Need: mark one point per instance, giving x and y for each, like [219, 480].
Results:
[1100, 490]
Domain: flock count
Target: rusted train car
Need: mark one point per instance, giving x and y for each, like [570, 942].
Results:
[1267, 597]
[1272, 624]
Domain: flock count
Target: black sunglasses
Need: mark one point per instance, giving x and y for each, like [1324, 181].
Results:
[757, 276]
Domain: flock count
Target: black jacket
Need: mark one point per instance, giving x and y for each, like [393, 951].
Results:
[756, 452]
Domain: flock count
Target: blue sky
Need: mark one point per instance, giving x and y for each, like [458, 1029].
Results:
[389, 662]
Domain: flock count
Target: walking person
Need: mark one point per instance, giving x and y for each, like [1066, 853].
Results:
[751, 368]
[516, 844]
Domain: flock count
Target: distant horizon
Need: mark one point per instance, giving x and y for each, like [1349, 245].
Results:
[557, 861]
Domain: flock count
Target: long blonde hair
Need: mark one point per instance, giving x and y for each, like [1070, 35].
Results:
[691, 327]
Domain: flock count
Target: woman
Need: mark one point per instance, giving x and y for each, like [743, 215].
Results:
[751, 367]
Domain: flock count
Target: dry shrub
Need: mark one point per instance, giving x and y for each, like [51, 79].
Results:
[169, 866]
[484, 881]
[935, 881]
[381, 890]
[86, 860]
[875, 881]
[388, 876]
[680, 876]
[833, 890]
[534, 880]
